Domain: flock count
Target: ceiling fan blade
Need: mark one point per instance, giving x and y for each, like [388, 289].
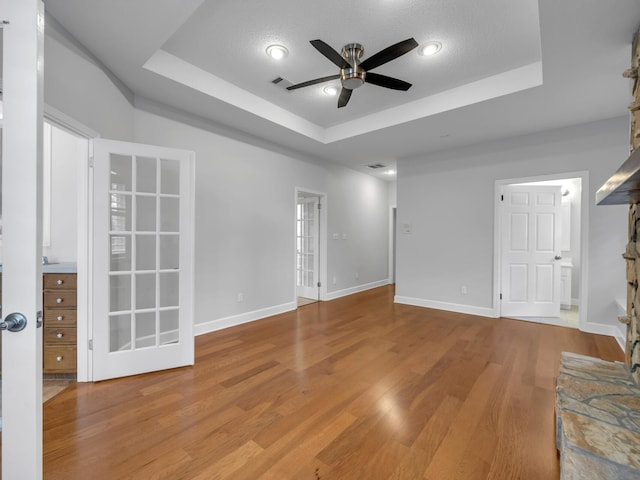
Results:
[387, 82]
[313, 82]
[345, 95]
[330, 53]
[389, 53]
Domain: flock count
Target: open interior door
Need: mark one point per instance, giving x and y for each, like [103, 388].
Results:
[142, 250]
[531, 235]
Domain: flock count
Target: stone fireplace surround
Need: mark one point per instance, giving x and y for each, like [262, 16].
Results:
[598, 402]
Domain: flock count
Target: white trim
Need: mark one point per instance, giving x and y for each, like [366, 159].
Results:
[449, 307]
[584, 239]
[232, 321]
[323, 263]
[356, 289]
[392, 246]
[555, 321]
[600, 329]
[84, 255]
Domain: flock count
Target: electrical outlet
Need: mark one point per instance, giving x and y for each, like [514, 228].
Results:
[463, 290]
[241, 297]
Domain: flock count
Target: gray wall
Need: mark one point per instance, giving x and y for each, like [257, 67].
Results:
[245, 211]
[448, 198]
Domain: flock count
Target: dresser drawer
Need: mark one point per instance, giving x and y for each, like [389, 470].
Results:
[59, 299]
[59, 336]
[60, 359]
[60, 317]
[59, 281]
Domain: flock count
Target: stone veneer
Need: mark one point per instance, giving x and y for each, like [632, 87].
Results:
[597, 420]
[598, 402]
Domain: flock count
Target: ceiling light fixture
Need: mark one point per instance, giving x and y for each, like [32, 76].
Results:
[390, 172]
[430, 48]
[330, 90]
[277, 52]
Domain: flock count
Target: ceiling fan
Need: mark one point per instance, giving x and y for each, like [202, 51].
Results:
[354, 73]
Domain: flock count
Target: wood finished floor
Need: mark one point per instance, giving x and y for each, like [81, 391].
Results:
[357, 388]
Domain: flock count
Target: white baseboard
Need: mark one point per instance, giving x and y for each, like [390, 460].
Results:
[605, 329]
[450, 307]
[232, 321]
[356, 289]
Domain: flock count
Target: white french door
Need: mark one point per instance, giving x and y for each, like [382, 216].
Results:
[22, 37]
[142, 271]
[307, 247]
[530, 244]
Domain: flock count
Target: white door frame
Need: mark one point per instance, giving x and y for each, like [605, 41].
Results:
[392, 244]
[322, 264]
[85, 205]
[584, 239]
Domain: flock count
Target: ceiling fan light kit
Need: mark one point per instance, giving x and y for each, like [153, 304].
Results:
[354, 72]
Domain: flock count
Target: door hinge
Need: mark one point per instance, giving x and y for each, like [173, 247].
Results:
[91, 344]
[319, 284]
[319, 206]
[502, 198]
[90, 162]
[500, 296]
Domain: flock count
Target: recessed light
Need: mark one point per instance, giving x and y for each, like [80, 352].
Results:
[330, 90]
[277, 52]
[430, 48]
[390, 172]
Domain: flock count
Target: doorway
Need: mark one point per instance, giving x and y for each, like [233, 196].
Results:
[569, 255]
[309, 247]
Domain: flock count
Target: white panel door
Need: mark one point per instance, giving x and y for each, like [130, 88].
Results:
[307, 247]
[530, 243]
[142, 273]
[22, 39]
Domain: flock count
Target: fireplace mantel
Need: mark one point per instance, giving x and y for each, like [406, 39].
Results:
[623, 187]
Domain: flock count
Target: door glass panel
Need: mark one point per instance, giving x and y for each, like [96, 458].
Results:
[145, 213]
[169, 252]
[145, 329]
[120, 172]
[146, 174]
[120, 212]
[120, 293]
[145, 290]
[169, 214]
[145, 252]
[169, 289]
[170, 177]
[169, 326]
[119, 332]
[120, 253]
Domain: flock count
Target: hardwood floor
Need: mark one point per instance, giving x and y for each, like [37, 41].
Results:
[356, 388]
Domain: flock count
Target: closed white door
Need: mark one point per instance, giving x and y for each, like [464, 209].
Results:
[22, 39]
[530, 243]
[142, 274]
[307, 247]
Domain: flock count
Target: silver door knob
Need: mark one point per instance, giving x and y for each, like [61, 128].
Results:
[14, 322]
[557, 257]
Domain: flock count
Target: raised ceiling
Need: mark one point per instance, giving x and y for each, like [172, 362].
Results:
[506, 67]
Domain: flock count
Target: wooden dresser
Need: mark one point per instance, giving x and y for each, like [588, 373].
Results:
[59, 315]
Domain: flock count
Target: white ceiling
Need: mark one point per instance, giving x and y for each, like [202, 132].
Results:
[507, 67]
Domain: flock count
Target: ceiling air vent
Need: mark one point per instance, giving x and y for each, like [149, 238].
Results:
[376, 165]
[282, 83]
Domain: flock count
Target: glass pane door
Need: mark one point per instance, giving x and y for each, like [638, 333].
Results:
[149, 223]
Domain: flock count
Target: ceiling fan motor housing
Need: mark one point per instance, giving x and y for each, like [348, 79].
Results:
[353, 76]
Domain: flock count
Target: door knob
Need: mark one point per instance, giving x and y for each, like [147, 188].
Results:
[14, 322]
[557, 257]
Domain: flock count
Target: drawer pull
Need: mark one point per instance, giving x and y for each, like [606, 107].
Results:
[59, 358]
[59, 334]
[60, 317]
[59, 282]
[58, 300]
